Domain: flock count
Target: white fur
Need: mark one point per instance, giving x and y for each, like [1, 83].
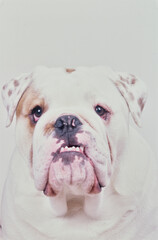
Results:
[126, 208]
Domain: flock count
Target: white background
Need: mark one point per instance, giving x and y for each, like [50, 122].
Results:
[119, 33]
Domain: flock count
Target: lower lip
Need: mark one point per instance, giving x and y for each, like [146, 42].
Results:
[72, 158]
[69, 156]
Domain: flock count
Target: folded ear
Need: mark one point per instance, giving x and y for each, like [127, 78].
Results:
[12, 92]
[135, 93]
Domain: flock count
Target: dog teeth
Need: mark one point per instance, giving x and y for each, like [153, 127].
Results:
[81, 149]
[71, 149]
[62, 149]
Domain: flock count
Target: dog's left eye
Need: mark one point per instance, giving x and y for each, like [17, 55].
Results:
[101, 112]
[36, 113]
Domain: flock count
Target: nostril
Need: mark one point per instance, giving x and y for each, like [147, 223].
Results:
[75, 122]
[59, 124]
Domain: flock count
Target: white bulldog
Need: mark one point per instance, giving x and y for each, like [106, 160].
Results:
[80, 171]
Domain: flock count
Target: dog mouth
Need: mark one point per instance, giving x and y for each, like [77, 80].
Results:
[74, 148]
[67, 153]
[72, 168]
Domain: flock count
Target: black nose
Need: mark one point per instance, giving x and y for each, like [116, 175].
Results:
[67, 124]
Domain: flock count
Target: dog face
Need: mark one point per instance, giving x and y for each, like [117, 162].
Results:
[72, 125]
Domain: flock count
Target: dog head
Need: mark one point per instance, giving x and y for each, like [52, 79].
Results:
[72, 124]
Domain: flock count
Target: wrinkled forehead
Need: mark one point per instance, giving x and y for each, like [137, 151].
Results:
[82, 85]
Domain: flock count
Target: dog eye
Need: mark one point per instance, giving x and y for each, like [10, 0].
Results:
[36, 113]
[101, 112]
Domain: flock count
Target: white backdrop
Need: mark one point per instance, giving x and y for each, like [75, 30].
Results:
[119, 33]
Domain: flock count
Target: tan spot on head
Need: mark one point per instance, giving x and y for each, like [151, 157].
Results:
[70, 70]
[10, 93]
[16, 83]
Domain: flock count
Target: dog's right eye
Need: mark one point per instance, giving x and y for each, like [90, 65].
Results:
[36, 113]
